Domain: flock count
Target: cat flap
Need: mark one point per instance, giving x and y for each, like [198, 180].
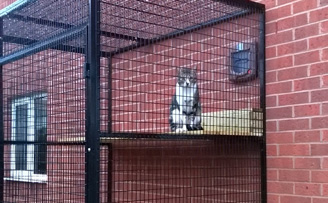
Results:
[243, 62]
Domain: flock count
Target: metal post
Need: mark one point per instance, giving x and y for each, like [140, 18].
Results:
[261, 64]
[1, 119]
[92, 146]
[110, 90]
[109, 172]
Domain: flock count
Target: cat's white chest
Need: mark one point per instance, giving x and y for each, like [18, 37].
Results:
[185, 96]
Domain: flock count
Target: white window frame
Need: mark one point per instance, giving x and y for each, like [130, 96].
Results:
[25, 175]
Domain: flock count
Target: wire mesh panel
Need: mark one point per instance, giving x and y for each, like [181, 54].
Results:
[44, 109]
[179, 86]
[29, 22]
[181, 107]
[43, 90]
[144, 79]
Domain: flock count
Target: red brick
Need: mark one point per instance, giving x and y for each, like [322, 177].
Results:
[294, 150]
[279, 137]
[307, 110]
[324, 27]
[270, 52]
[319, 149]
[325, 163]
[324, 108]
[272, 150]
[319, 69]
[307, 189]
[319, 95]
[294, 98]
[270, 3]
[304, 5]
[271, 101]
[292, 73]
[280, 162]
[325, 135]
[280, 112]
[293, 47]
[318, 42]
[323, 2]
[291, 22]
[281, 87]
[307, 84]
[271, 77]
[5, 3]
[307, 163]
[319, 176]
[286, 23]
[277, 13]
[272, 174]
[320, 122]
[319, 14]
[294, 199]
[281, 2]
[271, 126]
[279, 38]
[271, 28]
[294, 175]
[295, 124]
[320, 200]
[325, 81]
[280, 188]
[325, 54]
[306, 58]
[278, 63]
[307, 31]
[272, 198]
[325, 189]
[307, 136]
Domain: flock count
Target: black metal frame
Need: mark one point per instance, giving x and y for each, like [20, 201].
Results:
[1, 119]
[110, 169]
[109, 94]
[261, 61]
[37, 46]
[92, 146]
[180, 32]
[93, 54]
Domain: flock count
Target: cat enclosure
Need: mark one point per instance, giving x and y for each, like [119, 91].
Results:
[87, 94]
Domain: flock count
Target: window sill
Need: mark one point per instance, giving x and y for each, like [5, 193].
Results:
[42, 180]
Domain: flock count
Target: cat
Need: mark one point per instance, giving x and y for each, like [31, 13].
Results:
[185, 109]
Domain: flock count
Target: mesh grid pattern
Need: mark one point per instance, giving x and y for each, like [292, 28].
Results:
[40, 165]
[41, 20]
[143, 47]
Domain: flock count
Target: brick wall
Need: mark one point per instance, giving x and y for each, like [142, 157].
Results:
[297, 117]
[5, 3]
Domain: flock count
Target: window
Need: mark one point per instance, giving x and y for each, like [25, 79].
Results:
[29, 124]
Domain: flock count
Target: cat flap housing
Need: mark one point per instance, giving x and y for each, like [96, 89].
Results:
[243, 63]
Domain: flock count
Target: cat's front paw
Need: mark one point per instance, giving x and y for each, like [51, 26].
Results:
[197, 127]
[180, 130]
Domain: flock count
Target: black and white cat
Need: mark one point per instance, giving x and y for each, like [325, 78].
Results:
[185, 109]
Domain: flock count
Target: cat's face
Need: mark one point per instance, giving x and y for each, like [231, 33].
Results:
[187, 77]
